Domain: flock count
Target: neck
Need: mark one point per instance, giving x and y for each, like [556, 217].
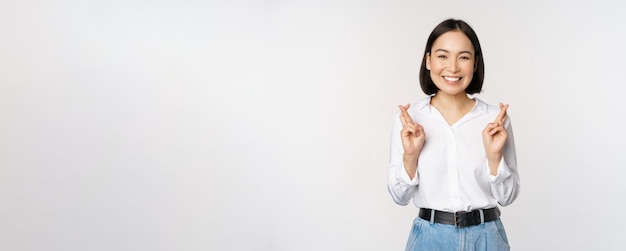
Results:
[452, 108]
[448, 102]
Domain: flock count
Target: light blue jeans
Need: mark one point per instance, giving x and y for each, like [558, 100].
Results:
[489, 236]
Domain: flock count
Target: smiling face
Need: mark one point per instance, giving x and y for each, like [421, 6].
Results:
[451, 63]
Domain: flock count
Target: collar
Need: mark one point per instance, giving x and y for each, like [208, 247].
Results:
[480, 105]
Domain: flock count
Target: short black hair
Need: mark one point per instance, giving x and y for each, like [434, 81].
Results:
[476, 84]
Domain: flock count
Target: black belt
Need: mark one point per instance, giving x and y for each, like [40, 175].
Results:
[461, 219]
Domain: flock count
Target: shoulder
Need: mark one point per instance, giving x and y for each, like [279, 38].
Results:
[490, 110]
[486, 107]
[415, 110]
[420, 105]
[419, 108]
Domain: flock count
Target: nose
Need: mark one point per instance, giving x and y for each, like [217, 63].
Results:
[454, 65]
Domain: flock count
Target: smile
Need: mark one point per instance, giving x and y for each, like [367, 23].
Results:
[452, 79]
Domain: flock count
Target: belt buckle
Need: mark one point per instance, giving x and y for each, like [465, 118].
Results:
[459, 221]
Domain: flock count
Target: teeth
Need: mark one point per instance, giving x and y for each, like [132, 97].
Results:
[451, 78]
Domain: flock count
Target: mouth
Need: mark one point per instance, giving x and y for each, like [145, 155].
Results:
[452, 79]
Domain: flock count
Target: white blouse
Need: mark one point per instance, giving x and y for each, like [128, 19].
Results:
[452, 171]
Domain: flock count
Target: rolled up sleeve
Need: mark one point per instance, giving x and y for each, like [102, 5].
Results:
[505, 185]
[400, 185]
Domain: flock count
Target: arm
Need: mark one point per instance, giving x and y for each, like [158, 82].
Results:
[505, 185]
[501, 158]
[407, 139]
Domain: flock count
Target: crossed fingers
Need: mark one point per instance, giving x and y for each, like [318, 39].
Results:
[404, 115]
[498, 124]
[501, 118]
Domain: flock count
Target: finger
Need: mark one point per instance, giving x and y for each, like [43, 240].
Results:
[419, 130]
[410, 125]
[409, 129]
[498, 128]
[404, 114]
[490, 128]
[499, 131]
[502, 115]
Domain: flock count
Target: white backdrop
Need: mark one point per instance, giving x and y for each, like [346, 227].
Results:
[264, 125]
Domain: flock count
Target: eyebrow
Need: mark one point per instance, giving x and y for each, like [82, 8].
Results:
[446, 51]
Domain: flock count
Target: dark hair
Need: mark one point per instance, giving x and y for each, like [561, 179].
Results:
[476, 84]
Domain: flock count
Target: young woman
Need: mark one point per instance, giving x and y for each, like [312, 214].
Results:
[452, 153]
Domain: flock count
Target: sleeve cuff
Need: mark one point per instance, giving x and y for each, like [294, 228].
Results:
[404, 178]
[503, 173]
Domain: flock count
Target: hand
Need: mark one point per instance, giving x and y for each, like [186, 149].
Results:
[494, 135]
[412, 133]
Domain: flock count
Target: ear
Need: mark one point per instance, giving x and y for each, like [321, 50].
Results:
[428, 61]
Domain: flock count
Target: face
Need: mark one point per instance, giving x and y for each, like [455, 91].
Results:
[451, 63]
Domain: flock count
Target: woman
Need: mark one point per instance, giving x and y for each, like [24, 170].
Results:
[452, 153]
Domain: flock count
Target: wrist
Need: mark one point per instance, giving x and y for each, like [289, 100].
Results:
[497, 156]
[410, 157]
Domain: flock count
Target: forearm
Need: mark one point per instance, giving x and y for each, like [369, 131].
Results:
[493, 161]
[505, 182]
[410, 165]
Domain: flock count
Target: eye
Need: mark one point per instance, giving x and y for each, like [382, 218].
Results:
[442, 56]
[465, 58]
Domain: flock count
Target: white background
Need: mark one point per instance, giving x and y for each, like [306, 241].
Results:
[264, 125]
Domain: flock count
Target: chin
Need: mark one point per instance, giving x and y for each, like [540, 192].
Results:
[452, 91]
